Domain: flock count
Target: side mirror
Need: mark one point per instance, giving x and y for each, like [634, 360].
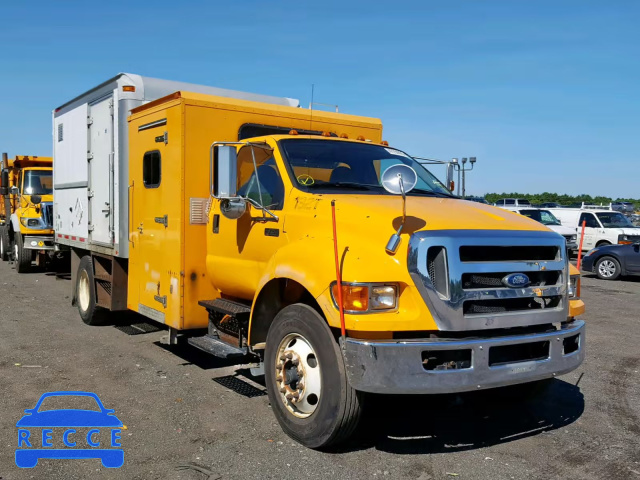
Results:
[36, 199]
[4, 182]
[398, 179]
[224, 171]
[450, 183]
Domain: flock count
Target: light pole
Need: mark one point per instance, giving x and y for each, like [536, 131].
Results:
[461, 168]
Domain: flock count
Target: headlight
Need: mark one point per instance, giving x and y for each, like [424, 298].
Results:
[591, 252]
[574, 238]
[366, 297]
[573, 286]
[32, 222]
[624, 239]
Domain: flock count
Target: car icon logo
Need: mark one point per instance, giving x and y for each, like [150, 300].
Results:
[78, 433]
[516, 280]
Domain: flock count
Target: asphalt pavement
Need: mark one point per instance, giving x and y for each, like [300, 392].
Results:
[190, 416]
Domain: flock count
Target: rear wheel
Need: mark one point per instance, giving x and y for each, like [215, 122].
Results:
[90, 312]
[5, 244]
[23, 256]
[306, 379]
[608, 268]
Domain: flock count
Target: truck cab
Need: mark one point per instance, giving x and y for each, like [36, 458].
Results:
[28, 197]
[436, 294]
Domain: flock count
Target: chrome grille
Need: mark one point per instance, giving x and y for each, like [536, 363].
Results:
[476, 297]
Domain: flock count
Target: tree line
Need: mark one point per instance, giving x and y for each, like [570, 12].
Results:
[537, 198]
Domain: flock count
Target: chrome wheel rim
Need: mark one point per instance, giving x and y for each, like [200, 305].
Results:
[607, 268]
[83, 291]
[297, 373]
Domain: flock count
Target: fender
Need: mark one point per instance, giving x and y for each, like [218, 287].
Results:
[311, 263]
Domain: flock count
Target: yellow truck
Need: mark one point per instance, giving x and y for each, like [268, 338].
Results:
[301, 239]
[26, 210]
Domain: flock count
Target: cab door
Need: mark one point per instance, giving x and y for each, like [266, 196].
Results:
[239, 250]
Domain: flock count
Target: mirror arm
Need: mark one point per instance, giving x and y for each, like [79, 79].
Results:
[274, 217]
[255, 169]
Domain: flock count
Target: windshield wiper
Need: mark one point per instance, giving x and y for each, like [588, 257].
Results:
[431, 193]
[354, 185]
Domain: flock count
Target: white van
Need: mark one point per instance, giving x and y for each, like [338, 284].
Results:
[602, 227]
[545, 217]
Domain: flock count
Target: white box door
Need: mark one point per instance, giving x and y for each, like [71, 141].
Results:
[100, 157]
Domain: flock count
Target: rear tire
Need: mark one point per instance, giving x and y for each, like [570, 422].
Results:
[328, 409]
[23, 257]
[5, 244]
[608, 268]
[90, 312]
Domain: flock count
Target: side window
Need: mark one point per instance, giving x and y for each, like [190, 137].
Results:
[591, 221]
[268, 183]
[500, 202]
[151, 169]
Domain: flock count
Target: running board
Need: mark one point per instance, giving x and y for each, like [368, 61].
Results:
[217, 347]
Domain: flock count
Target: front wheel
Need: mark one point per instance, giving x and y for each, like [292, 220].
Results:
[608, 268]
[5, 244]
[23, 256]
[306, 379]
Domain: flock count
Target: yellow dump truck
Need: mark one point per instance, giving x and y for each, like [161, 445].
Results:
[304, 241]
[26, 210]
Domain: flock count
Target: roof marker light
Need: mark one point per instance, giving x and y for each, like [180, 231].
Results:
[293, 132]
[128, 88]
[344, 135]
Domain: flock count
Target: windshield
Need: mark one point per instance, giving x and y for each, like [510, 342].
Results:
[614, 220]
[328, 165]
[38, 182]
[545, 217]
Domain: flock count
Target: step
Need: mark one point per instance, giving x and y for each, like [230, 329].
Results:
[226, 307]
[217, 347]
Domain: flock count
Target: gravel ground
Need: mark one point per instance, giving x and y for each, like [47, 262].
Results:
[190, 416]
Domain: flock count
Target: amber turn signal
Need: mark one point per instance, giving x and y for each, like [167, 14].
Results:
[355, 298]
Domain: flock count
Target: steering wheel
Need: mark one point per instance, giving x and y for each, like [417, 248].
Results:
[305, 179]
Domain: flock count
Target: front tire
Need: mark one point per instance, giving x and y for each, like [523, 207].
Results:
[608, 268]
[90, 312]
[306, 379]
[23, 256]
[5, 244]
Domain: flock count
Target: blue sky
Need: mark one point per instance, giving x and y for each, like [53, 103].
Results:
[545, 93]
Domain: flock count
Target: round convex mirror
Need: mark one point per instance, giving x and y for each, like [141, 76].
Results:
[392, 176]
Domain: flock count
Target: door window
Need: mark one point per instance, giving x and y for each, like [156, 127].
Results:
[590, 220]
[267, 184]
[151, 169]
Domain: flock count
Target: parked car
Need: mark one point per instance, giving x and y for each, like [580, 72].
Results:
[513, 202]
[602, 227]
[624, 207]
[613, 261]
[477, 200]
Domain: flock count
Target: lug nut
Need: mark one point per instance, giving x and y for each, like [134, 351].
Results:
[278, 367]
[279, 378]
[282, 358]
[283, 390]
[295, 362]
[288, 355]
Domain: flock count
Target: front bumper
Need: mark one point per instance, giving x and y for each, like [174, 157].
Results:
[397, 366]
[38, 242]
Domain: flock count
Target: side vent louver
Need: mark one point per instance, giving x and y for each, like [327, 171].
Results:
[437, 270]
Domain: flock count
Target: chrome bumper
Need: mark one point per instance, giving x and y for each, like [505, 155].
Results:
[38, 242]
[397, 366]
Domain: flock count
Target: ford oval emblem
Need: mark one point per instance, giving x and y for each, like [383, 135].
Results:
[516, 280]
